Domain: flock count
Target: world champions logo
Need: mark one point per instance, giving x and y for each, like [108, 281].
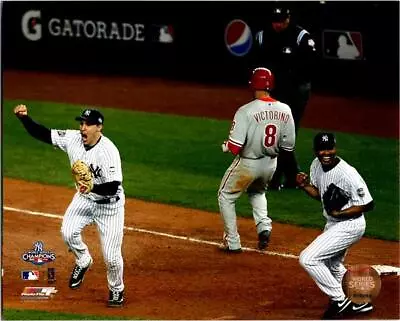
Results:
[38, 256]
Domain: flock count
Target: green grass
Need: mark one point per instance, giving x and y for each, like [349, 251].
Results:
[16, 314]
[177, 160]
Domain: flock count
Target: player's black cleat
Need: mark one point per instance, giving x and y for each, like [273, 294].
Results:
[226, 249]
[77, 276]
[338, 309]
[115, 299]
[263, 240]
[361, 308]
[275, 187]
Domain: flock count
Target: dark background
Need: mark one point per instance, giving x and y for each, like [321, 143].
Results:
[198, 52]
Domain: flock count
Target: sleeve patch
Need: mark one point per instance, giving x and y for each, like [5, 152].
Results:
[361, 192]
[232, 126]
[61, 133]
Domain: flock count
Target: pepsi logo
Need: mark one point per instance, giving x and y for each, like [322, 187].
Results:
[238, 37]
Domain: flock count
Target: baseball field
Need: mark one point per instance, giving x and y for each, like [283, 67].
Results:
[169, 135]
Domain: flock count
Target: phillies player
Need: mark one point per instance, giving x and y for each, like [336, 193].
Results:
[323, 258]
[104, 206]
[261, 130]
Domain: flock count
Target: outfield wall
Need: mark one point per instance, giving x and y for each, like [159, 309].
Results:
[192, 41]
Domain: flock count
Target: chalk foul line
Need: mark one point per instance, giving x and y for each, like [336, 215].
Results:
[140, 230]
[381, 269]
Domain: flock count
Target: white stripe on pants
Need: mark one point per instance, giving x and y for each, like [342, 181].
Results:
[323, 258]
[109, 220]
[111, 229]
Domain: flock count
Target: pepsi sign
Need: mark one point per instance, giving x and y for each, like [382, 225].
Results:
[238, 38]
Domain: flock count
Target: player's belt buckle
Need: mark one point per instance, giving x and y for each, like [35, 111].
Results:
[109, 200]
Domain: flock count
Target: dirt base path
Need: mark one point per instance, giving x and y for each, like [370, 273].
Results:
[170, 278]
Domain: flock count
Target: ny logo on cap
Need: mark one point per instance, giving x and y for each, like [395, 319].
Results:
[325, 138]
[87, 112]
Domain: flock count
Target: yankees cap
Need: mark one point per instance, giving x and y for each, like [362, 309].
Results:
[324, 141]
[91, 117]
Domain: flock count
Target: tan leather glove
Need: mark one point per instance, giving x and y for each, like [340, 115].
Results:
[83, 177]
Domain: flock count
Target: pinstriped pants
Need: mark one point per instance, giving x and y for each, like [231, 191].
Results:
[109, 220]
[323, 258]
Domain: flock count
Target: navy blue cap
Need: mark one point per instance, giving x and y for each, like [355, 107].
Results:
[280, 14]
[324, 141]
[91, 117]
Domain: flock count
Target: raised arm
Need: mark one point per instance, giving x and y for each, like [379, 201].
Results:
[36, 130]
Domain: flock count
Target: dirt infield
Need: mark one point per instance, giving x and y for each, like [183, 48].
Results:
[171, 277]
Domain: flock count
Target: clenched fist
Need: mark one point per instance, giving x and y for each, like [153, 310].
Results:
[302, 179]
[21, 110]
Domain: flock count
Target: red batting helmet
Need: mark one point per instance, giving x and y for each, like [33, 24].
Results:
[262, 79]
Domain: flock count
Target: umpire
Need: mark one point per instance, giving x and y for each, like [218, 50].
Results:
[289, 52]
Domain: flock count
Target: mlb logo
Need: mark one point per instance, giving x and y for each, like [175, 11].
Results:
[166, 34]
[38, 260]
[30, 275]
[342, 44]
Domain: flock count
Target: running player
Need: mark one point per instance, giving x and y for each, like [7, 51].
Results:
[104, 206]
[323, 258]
[260, 131]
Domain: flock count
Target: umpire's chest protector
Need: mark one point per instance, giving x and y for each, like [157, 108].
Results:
[281, 50]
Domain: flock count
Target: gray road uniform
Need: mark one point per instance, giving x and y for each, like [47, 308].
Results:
[261, 129]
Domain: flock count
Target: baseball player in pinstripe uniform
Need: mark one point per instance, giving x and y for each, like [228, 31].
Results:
[323, 258]
[260, 131]
[103, 206]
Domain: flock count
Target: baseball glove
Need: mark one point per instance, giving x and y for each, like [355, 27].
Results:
[334, 198]
[83, 176]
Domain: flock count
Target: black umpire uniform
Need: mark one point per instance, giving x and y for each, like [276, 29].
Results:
[289, 52]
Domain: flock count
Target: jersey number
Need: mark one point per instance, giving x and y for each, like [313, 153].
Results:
[270, 135]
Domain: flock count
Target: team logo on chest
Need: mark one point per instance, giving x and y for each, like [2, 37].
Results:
[97, 172]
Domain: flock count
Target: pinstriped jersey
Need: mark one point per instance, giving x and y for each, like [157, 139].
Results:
[262, 127]
[103, 158]
[344, 176]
